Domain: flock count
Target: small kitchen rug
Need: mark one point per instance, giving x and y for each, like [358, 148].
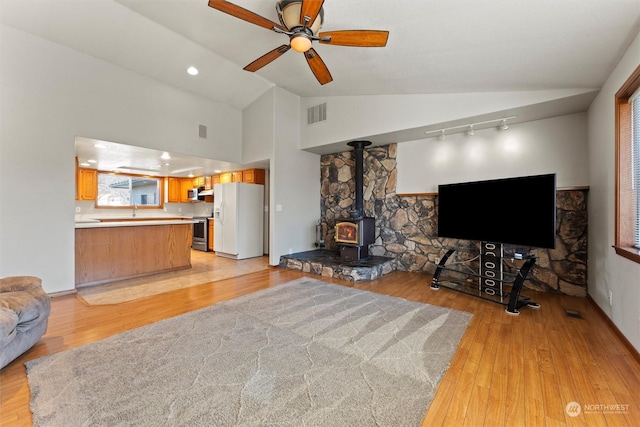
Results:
[205, 268]
[306, 352]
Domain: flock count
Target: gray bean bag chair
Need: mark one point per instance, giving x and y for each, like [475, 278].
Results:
[24, 313]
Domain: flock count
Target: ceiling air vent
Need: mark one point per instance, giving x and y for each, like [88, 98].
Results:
[317, 113]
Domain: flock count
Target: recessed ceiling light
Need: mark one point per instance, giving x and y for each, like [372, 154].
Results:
[84, 164]
[165, 156]
[99, 145]
[92, 161]
[193, 71]
[191, 175]
[217, 171]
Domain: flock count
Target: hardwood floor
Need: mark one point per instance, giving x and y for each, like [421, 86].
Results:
[516, 371]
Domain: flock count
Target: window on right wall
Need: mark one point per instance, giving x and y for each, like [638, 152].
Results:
[627, 105]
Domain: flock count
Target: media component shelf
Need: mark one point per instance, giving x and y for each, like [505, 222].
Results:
[489, 281]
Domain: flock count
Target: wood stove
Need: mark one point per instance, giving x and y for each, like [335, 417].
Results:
[355, 234]
[354, 237]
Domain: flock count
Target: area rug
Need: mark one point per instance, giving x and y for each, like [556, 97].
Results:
[304, 353]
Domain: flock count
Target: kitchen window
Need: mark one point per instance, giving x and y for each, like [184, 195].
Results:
[627, 125]
[120, 190]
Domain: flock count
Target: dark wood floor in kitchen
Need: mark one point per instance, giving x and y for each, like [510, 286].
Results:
[509, 370]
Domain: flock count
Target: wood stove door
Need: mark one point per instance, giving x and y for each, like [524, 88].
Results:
[347, 232]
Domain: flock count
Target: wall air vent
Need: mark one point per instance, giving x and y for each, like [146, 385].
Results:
[317, 113]
[202, 131]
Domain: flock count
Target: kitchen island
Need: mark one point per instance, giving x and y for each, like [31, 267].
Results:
[106, 251]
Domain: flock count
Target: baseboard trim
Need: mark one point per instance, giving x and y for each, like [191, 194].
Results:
[63, 293]
[607, 319]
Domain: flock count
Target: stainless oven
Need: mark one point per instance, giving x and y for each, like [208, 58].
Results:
[200, 231]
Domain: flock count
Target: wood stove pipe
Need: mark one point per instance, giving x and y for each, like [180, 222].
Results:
[358, 149]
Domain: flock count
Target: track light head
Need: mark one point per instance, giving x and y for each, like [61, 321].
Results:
[470, 131]
[504, 125]
[441, 137]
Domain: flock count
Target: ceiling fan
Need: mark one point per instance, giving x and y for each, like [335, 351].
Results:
[301, 20]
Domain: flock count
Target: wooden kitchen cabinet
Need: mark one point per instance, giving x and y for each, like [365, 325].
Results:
[208, 182]
[174, 190]
[185, 186]
[198, 181]
[225, 177]
[87, 184]
[236, 176]
[210, 235]
[253, 176]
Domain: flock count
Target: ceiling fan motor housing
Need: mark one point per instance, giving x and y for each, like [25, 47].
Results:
[289, 15]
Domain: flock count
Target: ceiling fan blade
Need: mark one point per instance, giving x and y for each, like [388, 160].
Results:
[244, 14]
[310, 8]
[359, 38]
[318, 67]
[267, 58]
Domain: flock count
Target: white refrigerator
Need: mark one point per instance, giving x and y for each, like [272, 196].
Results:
[238, 220]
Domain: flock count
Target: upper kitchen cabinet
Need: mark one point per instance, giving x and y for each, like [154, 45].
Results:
[178, 188]
[87, 184]
[198, 181]
[174, 190]
[253, 176]
[185, 186]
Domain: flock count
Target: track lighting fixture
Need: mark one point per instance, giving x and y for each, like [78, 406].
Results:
[470, 131]
[470, 127]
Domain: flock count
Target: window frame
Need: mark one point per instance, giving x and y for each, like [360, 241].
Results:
[623, 139]
[161, 185]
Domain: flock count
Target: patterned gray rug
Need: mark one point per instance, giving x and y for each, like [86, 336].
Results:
[303, 353]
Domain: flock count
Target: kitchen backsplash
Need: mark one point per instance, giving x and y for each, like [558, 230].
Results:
[88, 209]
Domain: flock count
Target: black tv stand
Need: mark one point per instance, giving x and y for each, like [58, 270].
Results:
[498, 294]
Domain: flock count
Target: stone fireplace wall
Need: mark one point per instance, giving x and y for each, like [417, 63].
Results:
[406, 226]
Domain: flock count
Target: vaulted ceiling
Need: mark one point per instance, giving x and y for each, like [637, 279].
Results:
[453, 46]
[433, 47]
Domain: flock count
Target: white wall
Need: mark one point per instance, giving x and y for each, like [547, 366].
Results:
[295, 182]
[557, 145]
[608, 271]
[50, 95]
[257, 145]
[258, 129]
[362, 117]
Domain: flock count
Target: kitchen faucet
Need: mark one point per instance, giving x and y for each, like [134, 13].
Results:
[135, 209]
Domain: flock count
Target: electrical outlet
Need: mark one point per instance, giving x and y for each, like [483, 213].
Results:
[610, 299]
[78, 209]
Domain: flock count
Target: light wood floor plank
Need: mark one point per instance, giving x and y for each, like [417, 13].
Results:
[499, 356]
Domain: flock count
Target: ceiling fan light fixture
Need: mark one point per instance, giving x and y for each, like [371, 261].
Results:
[300, 42]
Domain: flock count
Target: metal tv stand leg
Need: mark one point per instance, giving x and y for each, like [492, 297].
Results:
[514, 297]
[435, 283]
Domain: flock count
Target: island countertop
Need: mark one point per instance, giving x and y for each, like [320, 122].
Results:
[102, 223]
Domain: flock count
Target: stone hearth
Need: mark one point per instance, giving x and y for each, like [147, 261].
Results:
[327, 263]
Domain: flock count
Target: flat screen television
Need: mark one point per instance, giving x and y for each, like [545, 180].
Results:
[520, 211]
